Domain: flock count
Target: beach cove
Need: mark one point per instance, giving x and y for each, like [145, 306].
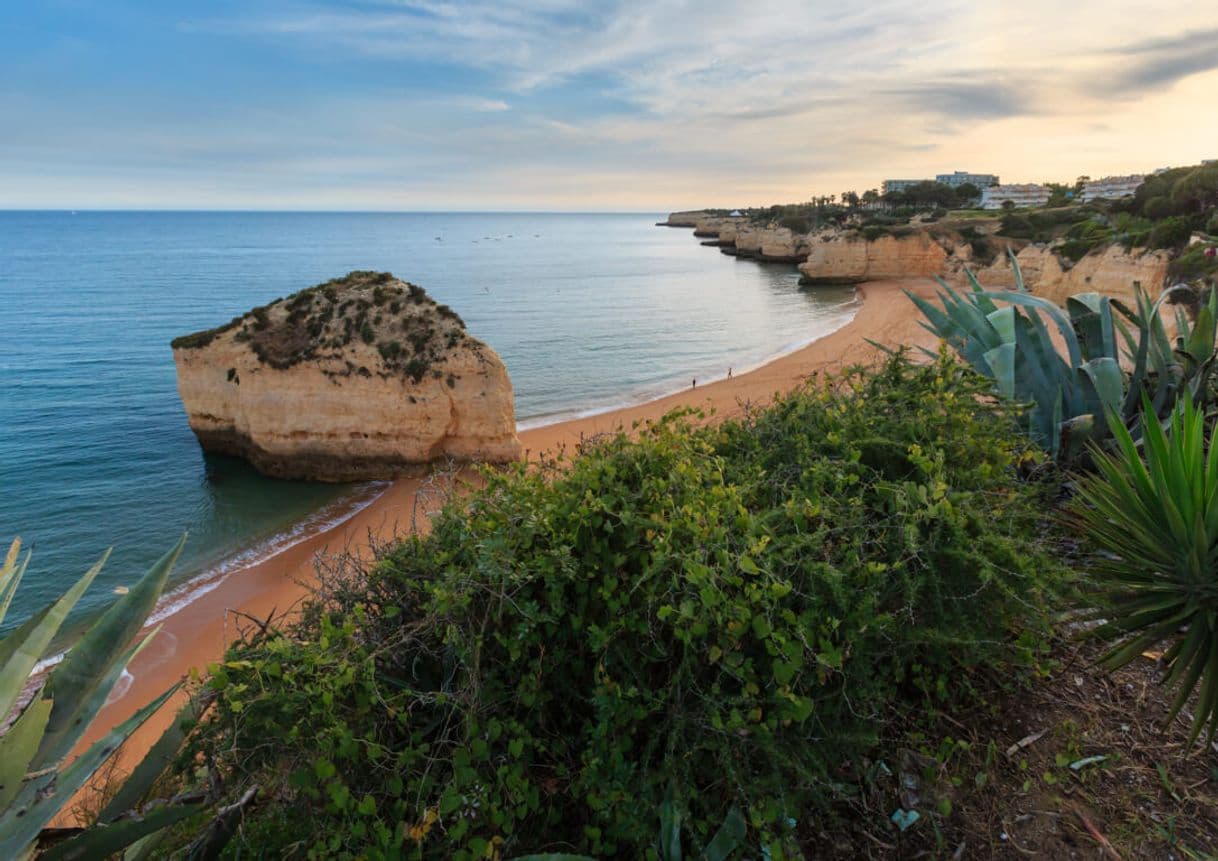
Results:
[196, 634]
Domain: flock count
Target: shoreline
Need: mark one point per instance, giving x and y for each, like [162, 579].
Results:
[197, 632]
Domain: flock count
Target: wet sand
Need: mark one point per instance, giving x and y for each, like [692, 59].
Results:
[197, 634]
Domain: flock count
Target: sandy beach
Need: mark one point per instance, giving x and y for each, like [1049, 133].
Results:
[198, 633]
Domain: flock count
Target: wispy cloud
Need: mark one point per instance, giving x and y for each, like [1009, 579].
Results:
[663, 102]
[1153, 64]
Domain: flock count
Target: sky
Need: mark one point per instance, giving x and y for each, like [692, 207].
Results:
[626, 105]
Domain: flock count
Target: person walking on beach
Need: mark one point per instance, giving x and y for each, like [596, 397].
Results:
[694, 384]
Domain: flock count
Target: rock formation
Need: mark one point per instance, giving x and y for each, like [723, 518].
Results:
[361, 377]
[850, 260]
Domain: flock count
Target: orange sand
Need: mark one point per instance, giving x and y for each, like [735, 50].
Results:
[198, 634]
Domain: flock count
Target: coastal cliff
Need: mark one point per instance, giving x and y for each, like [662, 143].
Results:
[361, 377]
[836, 256]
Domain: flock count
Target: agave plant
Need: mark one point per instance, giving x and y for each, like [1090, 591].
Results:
[1156, 523]
[1008, 336]
[35, 741]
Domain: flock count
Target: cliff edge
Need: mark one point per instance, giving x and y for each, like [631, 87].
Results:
[361, 377]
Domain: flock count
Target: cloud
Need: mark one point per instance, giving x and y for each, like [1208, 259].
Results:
[1157, 63]
[994, 99]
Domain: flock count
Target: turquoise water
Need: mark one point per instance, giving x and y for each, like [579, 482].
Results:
[587, 312]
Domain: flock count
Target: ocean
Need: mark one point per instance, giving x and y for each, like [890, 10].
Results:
[588, 312]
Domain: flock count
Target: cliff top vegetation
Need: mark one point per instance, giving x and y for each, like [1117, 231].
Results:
[408, 329]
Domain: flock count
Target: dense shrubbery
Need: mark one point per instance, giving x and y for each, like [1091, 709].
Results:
[735, 613]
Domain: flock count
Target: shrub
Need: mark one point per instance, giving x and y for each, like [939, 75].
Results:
[795, 224]
[1156, 524]
[1170, 233]
[1158, 208]
[735, 612]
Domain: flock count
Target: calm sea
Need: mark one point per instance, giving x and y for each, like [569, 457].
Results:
[587, 311]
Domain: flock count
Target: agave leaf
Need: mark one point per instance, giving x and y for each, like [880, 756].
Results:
[29, 643]
[18, 746]
[75, 683]
[57, 742]
[729, 836]
[1003, 321]
[1053, 312]
[102, 841]
[1108, 382]
[8, 646]
[151, 767]
[41, 798]
[10, 575]
[1002, 362]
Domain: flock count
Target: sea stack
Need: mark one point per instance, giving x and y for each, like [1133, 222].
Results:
[361, 377]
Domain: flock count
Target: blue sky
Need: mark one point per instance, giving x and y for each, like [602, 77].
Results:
[551, 104]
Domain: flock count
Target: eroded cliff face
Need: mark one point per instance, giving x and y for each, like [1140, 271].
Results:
[1112, 271]
[852, 260]
[363, 377]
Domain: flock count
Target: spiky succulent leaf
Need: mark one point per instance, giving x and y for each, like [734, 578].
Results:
[1154, 513]
[41, 798]
[18, 746]
[102, 841]
[10, 575]
[29, 642]
[81, 682]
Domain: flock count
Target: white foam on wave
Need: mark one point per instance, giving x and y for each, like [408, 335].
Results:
[209, 579]
[323, 520]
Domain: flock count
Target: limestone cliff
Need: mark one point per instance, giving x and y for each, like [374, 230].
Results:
[1111, 271]
[846, 259]
[851, 259]
[361, 377]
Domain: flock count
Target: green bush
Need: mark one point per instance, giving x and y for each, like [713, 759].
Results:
[1156, 525]
[1170, 233]
[1193, 263]
[734, 612]
[795, 224]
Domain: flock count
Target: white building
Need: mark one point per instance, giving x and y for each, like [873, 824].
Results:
[1112, 187]
[960, 177]
[1019, 195]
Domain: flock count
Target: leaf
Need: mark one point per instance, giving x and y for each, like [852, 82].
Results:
[41, 798]
[18, 746]
[729, 836]
[150, 768]
[102, 841]
[77, 684]
[25, 647]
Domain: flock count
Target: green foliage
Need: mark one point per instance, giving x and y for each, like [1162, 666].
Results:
[1170, 233]
[736, 610]
[1194, 263]
[34, 783]
[1071, 398]
[1155, 522]
[795, 224]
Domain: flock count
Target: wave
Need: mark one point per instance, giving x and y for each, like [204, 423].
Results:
[183, 595]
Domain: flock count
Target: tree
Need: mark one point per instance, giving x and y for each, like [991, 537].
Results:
[1198, 190]
[851, 199]
[1008, 204]
[967, 192]
[870, 197]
